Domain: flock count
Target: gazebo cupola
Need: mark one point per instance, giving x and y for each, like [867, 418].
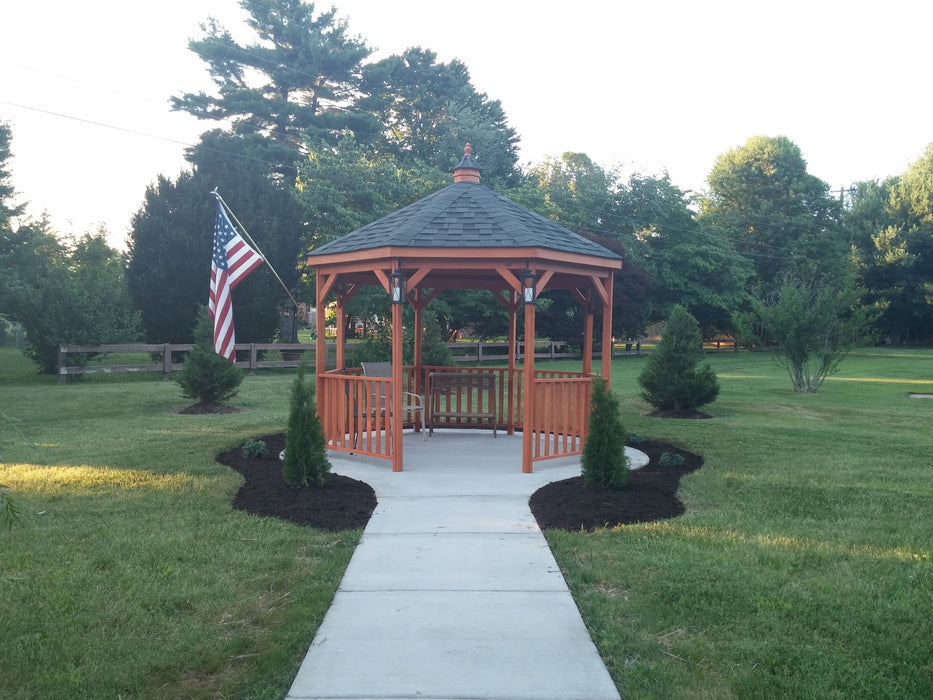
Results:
[465, 236]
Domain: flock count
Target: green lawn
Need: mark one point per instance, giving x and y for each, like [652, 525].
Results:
[129, 574]
[802, 568]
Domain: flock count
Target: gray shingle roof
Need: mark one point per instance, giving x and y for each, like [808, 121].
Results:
[464, 215]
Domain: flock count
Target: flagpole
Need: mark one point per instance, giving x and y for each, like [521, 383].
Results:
[250, 240]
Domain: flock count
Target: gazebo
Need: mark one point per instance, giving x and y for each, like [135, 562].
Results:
[464, 236]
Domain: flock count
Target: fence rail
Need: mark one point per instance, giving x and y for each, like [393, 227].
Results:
[250, 356]
[168, 357]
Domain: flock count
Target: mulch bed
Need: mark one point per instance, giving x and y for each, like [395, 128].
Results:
[341, 503]
[345, 504]
[650, 494]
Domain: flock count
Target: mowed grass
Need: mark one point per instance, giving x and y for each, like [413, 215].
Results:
[803, 567]
[129, 574]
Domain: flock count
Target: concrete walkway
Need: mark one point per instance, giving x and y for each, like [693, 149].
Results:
[453, 592]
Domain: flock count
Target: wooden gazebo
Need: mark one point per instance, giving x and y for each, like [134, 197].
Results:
[464, 236]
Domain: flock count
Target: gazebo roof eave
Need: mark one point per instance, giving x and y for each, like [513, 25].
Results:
[467, 257]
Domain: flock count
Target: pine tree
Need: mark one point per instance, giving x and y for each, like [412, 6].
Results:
[305, 462]
[604, 460]
[671, 380]
[206, 376]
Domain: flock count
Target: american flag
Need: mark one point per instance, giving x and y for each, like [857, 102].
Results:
[233, 260]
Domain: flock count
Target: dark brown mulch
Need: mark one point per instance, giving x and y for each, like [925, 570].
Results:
[650, 494]
[344, 503]
[341, 503]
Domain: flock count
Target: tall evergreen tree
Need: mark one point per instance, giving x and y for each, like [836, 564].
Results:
[298, 77]
[7, 208]
[172, 234]
[429, 110]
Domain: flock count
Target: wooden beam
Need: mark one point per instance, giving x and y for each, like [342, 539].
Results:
[513, 281]
[511, 303]
[601, 290]
[419, 304]
[417, 276]
[324, 283]
[383, 279]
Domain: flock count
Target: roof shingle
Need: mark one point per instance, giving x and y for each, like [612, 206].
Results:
[464, 215]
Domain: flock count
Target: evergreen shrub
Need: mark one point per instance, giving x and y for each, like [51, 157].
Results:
[205, 376]
[604, 460]
[305, 462]
[671, 379]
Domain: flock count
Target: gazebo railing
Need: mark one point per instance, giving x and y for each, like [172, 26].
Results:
[354, 416]
[356, 411]
[560, 415]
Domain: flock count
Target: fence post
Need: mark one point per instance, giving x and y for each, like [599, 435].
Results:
[62, 375]
[166, 361]
[252, 358]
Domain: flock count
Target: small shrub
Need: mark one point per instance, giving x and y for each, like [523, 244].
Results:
[604, 460]
[206, 376]
[671, 379]
[305, 462]
[635, 440]
[671, 459]
[254, 449]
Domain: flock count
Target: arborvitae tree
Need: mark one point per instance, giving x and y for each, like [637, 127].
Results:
[205, 375]
[604, 460]
[671, 379]
[305, 462]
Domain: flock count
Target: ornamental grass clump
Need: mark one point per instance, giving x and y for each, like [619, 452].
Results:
[305, 462]
[671, 380]
[604, 460]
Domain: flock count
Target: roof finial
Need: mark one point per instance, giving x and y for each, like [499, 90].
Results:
[467, 169]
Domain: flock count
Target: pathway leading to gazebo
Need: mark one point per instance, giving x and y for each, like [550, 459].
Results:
[453, 591]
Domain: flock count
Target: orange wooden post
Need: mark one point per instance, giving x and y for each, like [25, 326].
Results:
[528, 389]
[588, 340]
[511, 408]
[341, 333]
[394, 416]
[320, 344]
[607, 332]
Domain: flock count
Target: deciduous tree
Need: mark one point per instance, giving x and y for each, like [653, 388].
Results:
[779, 216]
[814, 321]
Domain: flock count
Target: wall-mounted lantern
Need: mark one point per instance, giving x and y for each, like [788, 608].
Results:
[397, 287]
[529, 280]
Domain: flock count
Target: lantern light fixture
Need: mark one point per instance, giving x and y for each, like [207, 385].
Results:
[529, 279]
[397, 287]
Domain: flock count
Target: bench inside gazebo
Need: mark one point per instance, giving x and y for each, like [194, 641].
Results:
[464, 236]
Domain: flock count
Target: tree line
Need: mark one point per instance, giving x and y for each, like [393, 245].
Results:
[311, 140]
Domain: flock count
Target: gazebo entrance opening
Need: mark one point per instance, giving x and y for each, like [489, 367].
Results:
[464, 236]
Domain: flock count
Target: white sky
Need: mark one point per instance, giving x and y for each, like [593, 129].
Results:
[650, 86]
